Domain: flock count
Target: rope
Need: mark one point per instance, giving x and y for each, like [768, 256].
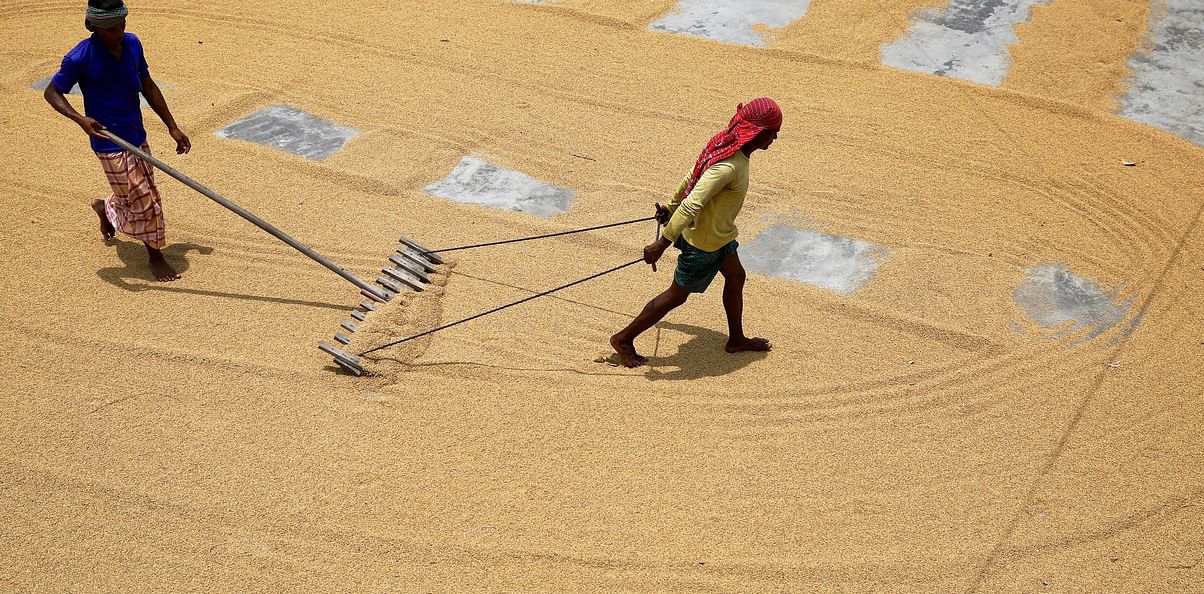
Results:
[500, 308]
[479, 245]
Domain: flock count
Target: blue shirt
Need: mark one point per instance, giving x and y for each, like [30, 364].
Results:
[110, 87]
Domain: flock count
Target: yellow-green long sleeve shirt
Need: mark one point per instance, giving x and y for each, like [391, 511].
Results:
[707, 217]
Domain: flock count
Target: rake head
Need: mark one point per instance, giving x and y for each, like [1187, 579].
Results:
[408, 271]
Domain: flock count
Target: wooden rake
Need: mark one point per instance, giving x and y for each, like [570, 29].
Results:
[409, 269]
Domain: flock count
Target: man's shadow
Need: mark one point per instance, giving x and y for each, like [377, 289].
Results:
[700, 356]
[137, 267]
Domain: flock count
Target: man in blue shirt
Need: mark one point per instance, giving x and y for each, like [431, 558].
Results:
[111, 71]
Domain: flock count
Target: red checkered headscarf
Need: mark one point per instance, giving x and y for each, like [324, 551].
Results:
[751, 119]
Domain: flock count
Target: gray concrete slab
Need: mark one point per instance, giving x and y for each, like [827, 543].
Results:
[474, 181]
[829, 261]
[733, 21]
[42, 83]
[968, 39]
[1166, 88]
[1054, 297]
[292, 130]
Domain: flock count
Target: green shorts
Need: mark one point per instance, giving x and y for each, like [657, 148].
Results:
[696, 268]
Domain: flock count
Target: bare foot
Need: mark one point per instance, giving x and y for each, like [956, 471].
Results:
[162, 271]
[626, 351]
[742, 344]
[106, 226]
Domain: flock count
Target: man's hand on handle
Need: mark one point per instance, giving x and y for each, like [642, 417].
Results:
[91, 127]
[654, 250]
[662, 214]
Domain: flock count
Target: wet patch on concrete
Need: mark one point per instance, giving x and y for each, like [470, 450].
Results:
[288, 129]
[734, 21]
[474, 181]
[967, 40]
[42, 83]
[1166, 89]
[1054, 297]
[829, 261]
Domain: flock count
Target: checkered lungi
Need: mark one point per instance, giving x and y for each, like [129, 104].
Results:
[134, 208]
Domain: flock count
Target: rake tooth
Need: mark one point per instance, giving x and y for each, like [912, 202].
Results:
[368, 306]
[349, 326]
[375, 298]
[422, 250]
[416, 259]
[403, 276]
[359, 315]
[346, 360]
[406, 262]
[389, 284]
[342, 338]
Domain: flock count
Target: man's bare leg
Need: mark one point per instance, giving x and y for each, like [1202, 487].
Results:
[624, 341]
[733, 303]
[162, 271]
[107, 231]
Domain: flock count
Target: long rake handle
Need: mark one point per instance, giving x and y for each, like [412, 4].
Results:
[242, 212]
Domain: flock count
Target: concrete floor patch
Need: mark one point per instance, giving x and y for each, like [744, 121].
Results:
[967, 40]
[1166, 89]
[291, 130]
[474, 181]
[733, 21]
[829, 261]
[1054, 297]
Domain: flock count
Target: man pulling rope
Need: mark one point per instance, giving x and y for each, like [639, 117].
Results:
[111, 71]
[703, 227]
